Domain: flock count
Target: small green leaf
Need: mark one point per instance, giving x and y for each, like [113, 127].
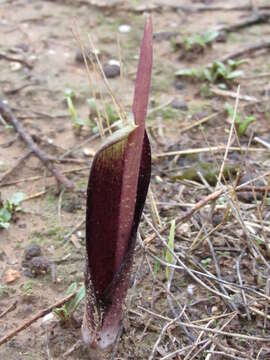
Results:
[17, 198]
[187, 72]
[235, 74]
[75, 302]
[244, 124]
[207, 74]
[5, 217]
[72, 288]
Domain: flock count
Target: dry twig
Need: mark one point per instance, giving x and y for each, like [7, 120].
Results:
[33, 319]
[7, 114]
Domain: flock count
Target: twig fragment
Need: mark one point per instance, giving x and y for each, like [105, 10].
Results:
[7, 114]
[33, 319]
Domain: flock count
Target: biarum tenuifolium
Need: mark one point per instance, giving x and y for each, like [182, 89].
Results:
[116, 194]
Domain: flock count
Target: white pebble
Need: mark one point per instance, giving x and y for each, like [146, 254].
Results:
[190, 289]
[48, 318]
[114, 62]
[124, 28]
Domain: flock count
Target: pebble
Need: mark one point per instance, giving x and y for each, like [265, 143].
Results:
[222, 37]
[111, 70]
[88, 152]
[214, 309]
[124, 28]
[164, 35]
[31, 251]
[89, 54]
[190, 289]
[217, 218]
[179, 85]
[179, 105]
[15, 66]
[114, 62]
[38, 265]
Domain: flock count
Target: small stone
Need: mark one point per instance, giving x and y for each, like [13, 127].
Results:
[214, 309]
[179, 105]
[183, 229]
[164, 35]
[15, 66]
[11, 276]
[80, 234]
[38, 265]
[217, 218]
[179, 85]
[111, 70]
[114, 62]
[31, 251]
[88, 152]
[222, 37]
[124, 28]
[89, 54]
[190, 289]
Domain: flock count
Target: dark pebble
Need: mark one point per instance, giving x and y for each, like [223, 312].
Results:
[222, 37]
[179, 85]
[111, 71]
[179, 105]
[38, 265]
[217, 219]
[31, 251]
[79, 56]
[164, 35]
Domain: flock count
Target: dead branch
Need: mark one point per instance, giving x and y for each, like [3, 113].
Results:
[246, 51]
[200, 204]
[16, 165]
[15, 59]
[8, 116]
[205, 8]
[10, 308]
[30, 321]
[257, 18]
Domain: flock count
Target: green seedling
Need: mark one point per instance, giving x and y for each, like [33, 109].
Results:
[189, 73]
[241, 123]
[4, 291]
[9, 208]
[206, 262]
[70, 95]
[110, 114]
[201, 40]
[65, 312]
[28, 287]
[216, 73]
[168, 256]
